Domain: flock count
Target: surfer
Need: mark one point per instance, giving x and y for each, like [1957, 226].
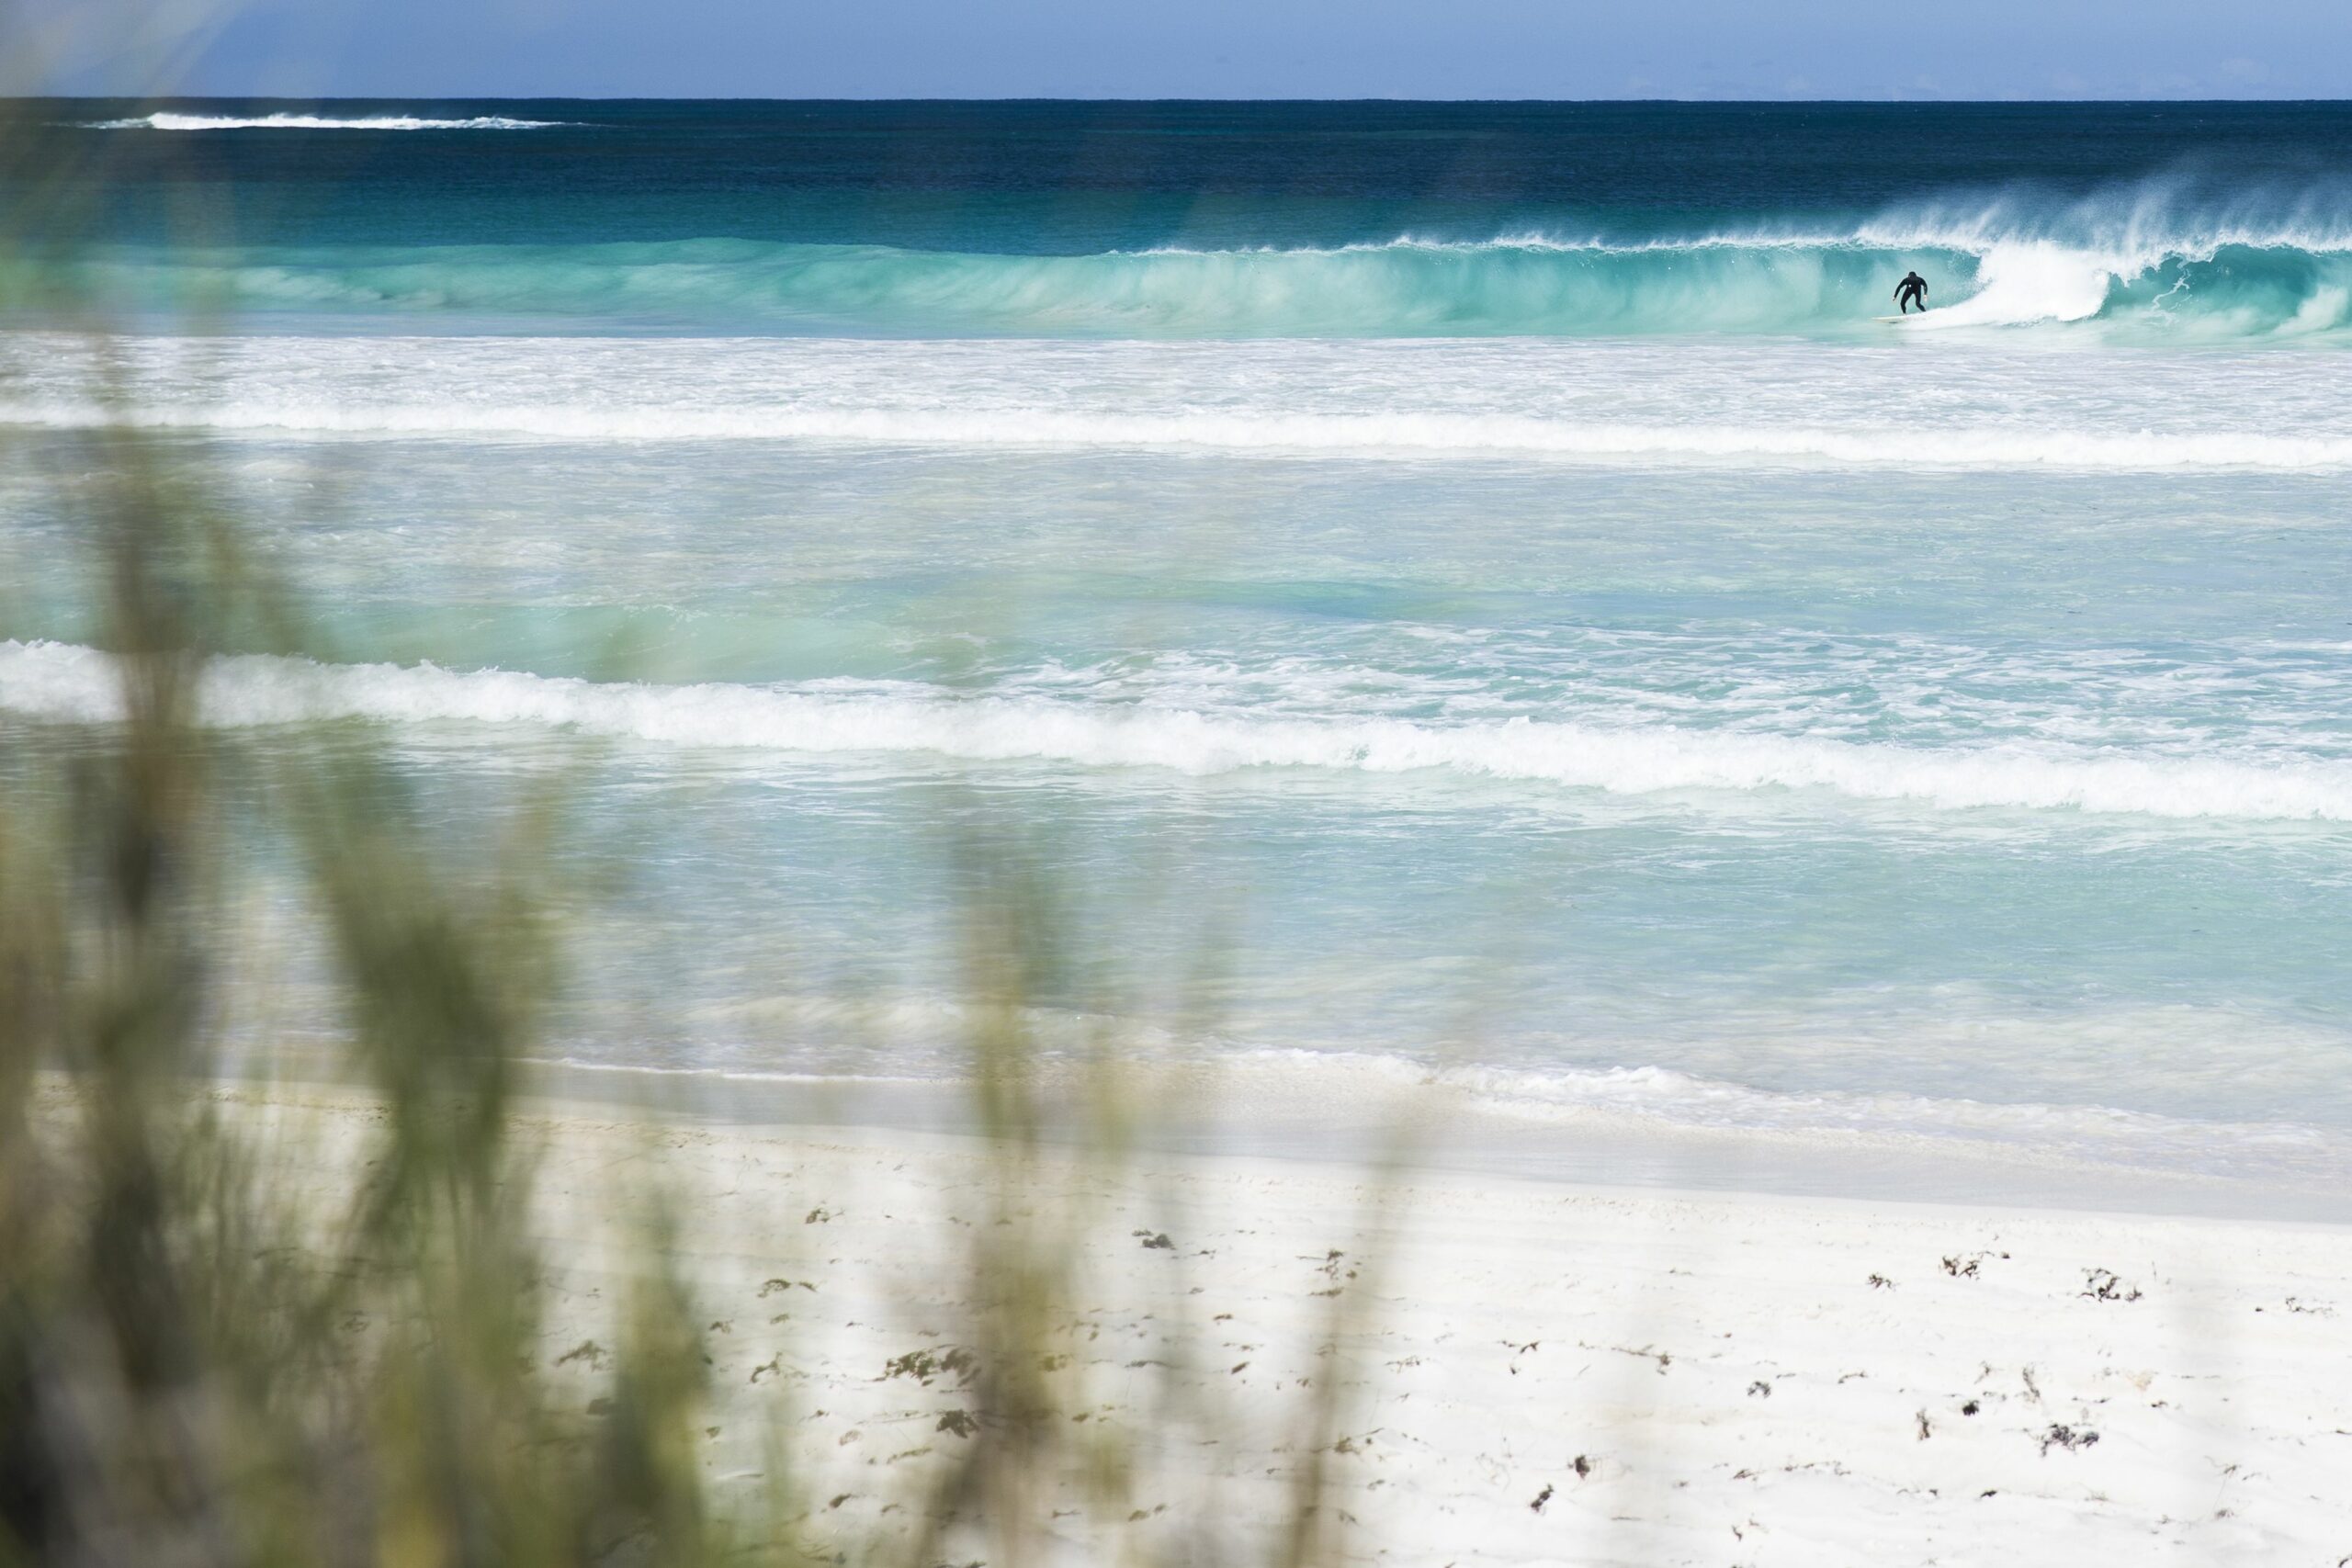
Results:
[1912, 287]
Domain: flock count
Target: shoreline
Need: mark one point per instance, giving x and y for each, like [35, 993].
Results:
[1446, 1130]
[1296, 1116]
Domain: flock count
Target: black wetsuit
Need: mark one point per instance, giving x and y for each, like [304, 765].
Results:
[1912, 287]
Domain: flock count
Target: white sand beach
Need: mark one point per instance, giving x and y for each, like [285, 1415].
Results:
[1525, 1372]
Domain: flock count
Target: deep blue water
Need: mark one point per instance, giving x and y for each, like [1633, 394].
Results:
[1284, 219]
[1074, 179]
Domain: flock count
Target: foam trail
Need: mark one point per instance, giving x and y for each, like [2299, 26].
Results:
[166, 121]
[63, 682]
[1595, 1098]
[1353, 435]
[1666, 1095]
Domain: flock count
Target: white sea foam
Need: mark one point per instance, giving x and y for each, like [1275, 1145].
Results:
[168, 120]
[2019, 284]
[1617, 404]
[1408, 436]
[63, 682]
[1667, 1095]
[2125, 242]
[1338, 1086]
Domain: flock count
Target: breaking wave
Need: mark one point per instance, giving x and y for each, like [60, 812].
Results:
[59, 682]
[2152, 262]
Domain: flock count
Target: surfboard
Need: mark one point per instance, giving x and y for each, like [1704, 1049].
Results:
[1898, 320]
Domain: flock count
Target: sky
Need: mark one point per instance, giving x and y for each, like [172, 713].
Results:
[1238, 48]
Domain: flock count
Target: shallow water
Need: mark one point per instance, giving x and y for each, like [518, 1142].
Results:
[1421, 585]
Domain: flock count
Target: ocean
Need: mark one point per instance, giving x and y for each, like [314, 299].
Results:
[1456, 591]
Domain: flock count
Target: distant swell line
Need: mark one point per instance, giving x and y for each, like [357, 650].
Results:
[1349, 434]
[165, 120]
[70, 683]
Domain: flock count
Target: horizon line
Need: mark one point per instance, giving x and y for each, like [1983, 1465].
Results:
[2018, 102]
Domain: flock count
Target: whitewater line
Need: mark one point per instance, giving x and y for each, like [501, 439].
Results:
[2127, 253]
[168, 120]
[63, 682]
[1345, 434]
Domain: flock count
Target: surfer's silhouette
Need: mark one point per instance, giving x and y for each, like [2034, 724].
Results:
[1913, 288]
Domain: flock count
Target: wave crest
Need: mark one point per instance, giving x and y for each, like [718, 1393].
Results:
[2163, 259]
[59, 682]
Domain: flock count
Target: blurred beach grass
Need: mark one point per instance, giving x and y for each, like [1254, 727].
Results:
[208, 1358]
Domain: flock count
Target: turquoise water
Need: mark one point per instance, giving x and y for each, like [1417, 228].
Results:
[1479, 575]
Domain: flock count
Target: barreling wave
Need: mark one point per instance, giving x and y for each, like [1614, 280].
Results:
[63, 682]
[163, 119]
[1354, 436]
[2128, 267]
